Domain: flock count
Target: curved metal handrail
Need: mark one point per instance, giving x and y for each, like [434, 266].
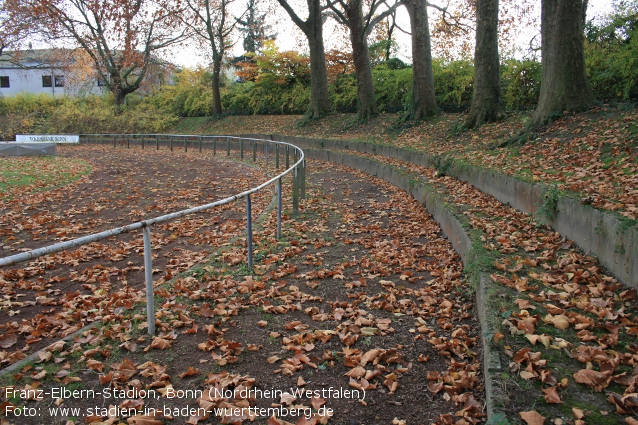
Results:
[298, 168]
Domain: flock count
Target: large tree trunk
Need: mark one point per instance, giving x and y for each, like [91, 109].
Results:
[423, 99]
[217, 99]
[119, 97]
[367, 102]
[487, 104]
[312, 27]
[319, 94]
[564, 85]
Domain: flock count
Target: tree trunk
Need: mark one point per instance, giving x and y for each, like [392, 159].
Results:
[487, 104]
[366, 100]
[423, 99]
[564, 85]
[319, 94]
[217, 99]
[312, 27]
[391, 26]
[119, 97]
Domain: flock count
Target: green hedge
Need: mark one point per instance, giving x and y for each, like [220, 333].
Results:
[88, 114]
[393, 87]
[26, 103]
[520, 83]
[611, 49]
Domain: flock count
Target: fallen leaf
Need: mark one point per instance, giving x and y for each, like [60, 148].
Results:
[532, 418]
[551, 396]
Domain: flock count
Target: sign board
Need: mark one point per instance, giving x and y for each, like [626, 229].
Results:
[47, 138]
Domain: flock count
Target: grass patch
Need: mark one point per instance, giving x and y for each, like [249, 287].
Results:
[21, 176]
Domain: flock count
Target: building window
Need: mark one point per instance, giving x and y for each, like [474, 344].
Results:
[59, 80]
[4, 81]
[46, 81]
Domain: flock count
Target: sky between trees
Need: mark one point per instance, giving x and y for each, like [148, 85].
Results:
[289, 36]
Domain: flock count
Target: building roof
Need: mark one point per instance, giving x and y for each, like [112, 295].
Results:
[53, 58]
[32, 58]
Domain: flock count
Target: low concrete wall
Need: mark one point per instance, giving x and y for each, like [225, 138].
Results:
[598, 233]
[28, 149]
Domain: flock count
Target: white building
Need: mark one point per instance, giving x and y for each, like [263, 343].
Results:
[51, 71]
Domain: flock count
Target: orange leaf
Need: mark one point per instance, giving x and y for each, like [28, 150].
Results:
[287, 398]
[190, 372]
[435, 387]
[105, 379]
[357, 372]
[95, 365]
[551, 396]
[160, 343]
[317, 402]
[592, 378]
[532, 418]
[370, 356]
[8, 340]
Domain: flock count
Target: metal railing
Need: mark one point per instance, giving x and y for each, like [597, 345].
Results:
[297, 169]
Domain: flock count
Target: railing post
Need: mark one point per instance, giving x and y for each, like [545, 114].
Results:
[302, 180]
[143, 141]
[227, 146]
[249, 233]
[279, 187]
[170, 138]
[156, 142]
[254, 151]
[266, 152]
[114, 142]
[277, 156]
[185, 144]
[214, 146]
[241, 149]
[295, 191]
[128, 141]
[287, 157]
[200, 143]
[148, 273]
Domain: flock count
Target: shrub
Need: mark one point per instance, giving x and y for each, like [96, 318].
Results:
[453, 84]
[520, 83]
[611, 53]
[26, 103]
[343, 93]
[93, 114]
[190, 95]
[392, 87]
[236, 98]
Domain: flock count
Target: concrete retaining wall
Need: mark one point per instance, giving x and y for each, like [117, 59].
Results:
[28, 149]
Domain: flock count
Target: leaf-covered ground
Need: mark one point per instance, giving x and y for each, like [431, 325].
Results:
[362, 294]
[124, 187]
[594, 154]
